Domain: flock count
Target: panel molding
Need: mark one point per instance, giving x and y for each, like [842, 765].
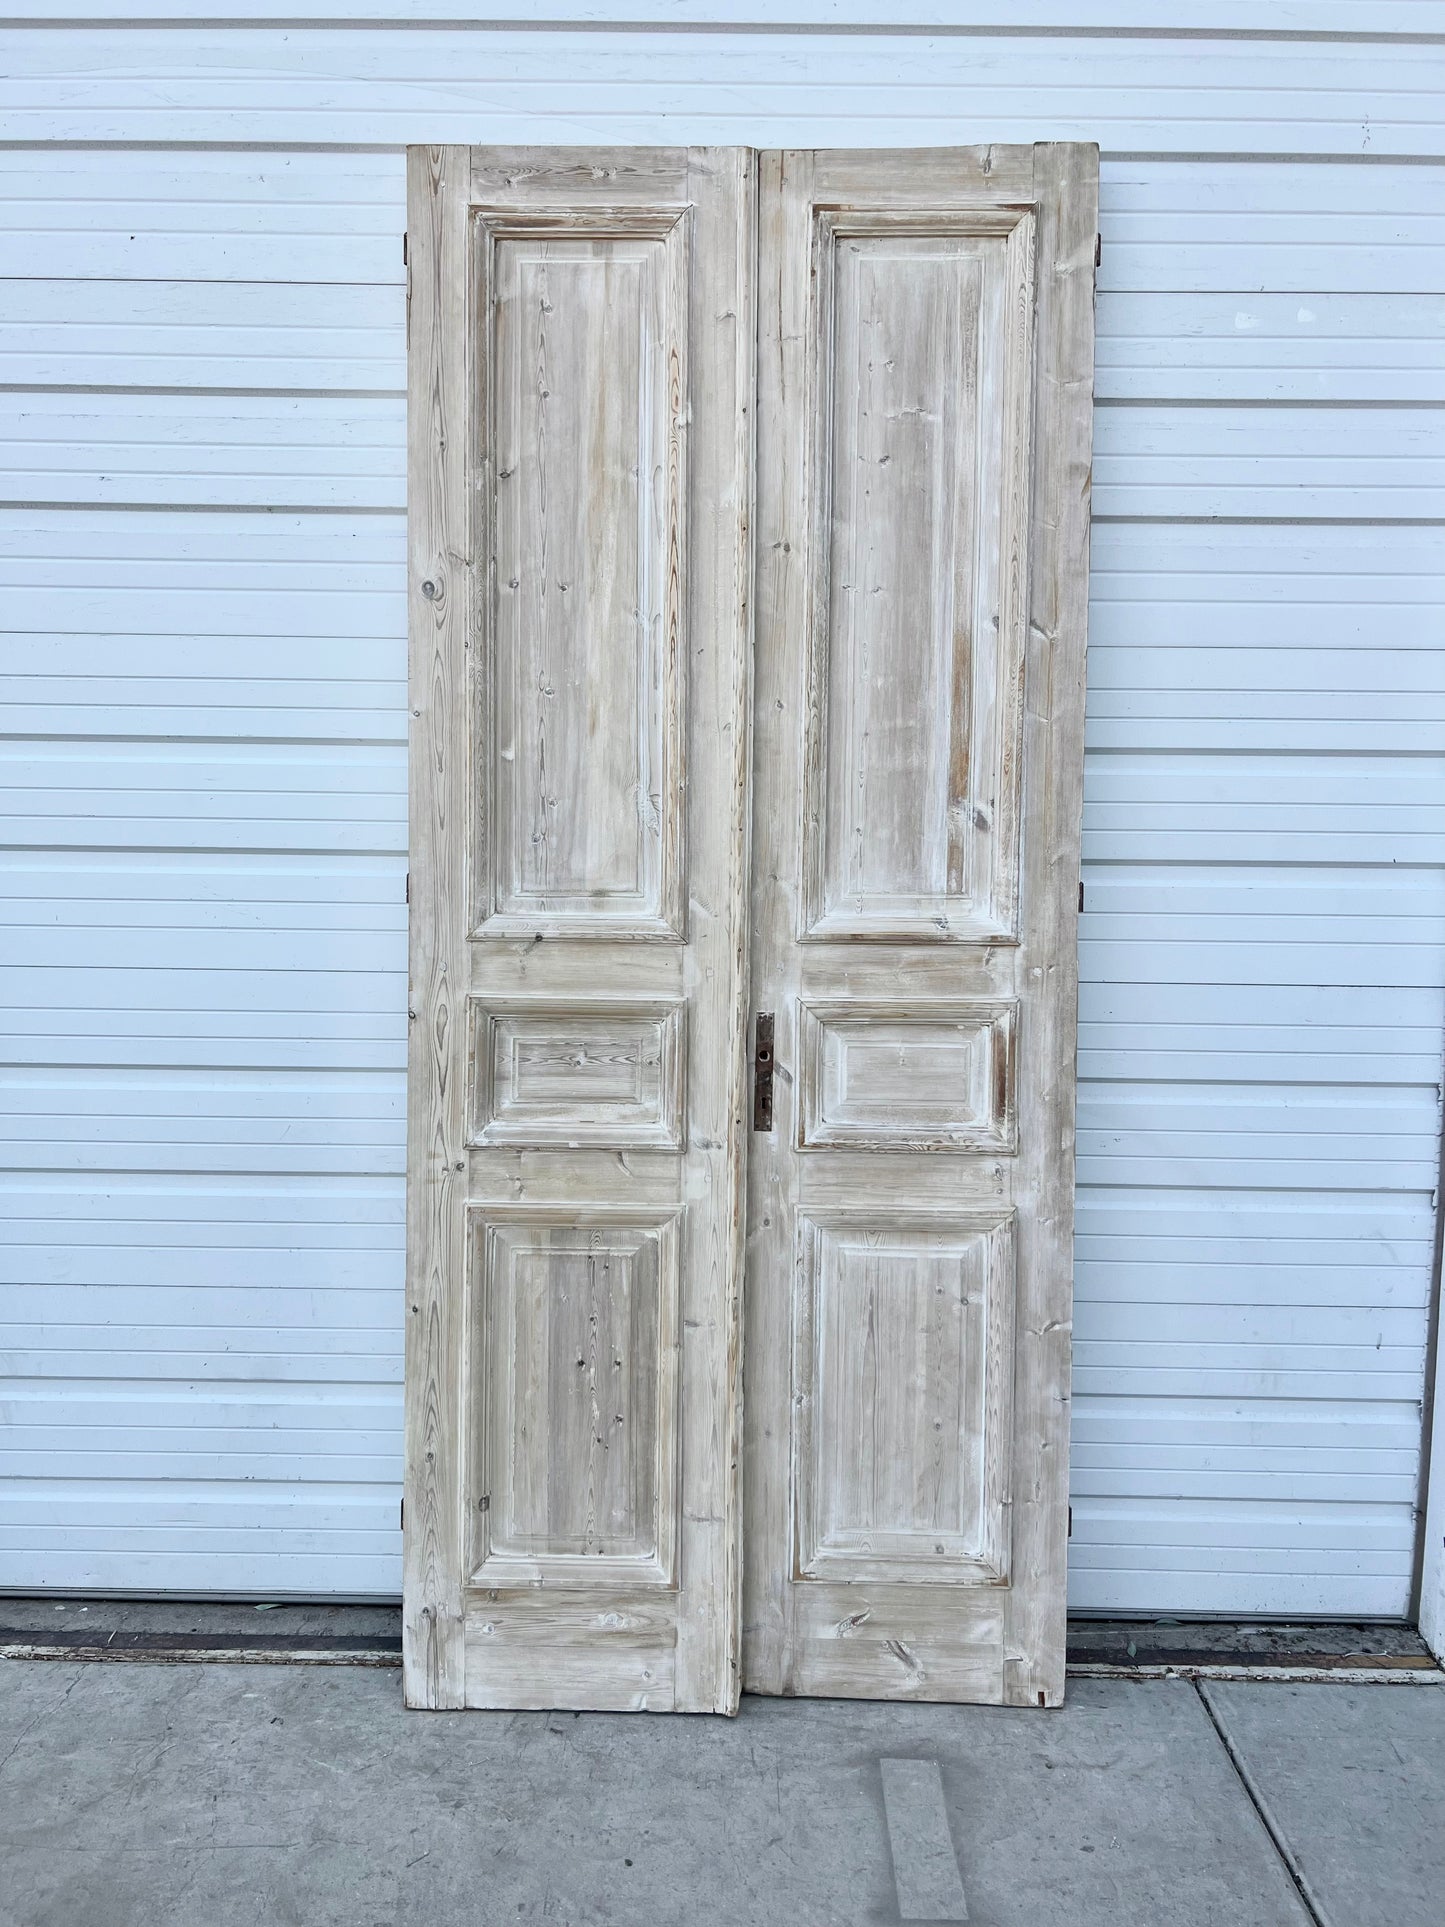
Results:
[972, 849]
[579, 1033]
[516, 762]
[509, 1408]
[971, 1468]
[983, 1101]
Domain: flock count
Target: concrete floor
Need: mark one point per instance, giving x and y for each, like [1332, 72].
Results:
[228, 1795]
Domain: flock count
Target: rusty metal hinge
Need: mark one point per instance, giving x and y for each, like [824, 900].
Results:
[763, 1072]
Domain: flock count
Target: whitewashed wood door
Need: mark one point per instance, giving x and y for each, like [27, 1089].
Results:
[580, 423]
[925, 382]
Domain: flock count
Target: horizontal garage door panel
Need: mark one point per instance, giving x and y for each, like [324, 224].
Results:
[255, 1319]
[1280, 96]
[950, 16]
[87, 574]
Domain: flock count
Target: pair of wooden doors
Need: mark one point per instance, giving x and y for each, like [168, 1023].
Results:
[748, 554]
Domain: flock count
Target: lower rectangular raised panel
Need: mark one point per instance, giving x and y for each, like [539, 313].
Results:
[902, 1380]
[574, 1388]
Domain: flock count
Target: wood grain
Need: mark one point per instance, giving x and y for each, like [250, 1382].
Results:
[1053, 747]
[574, 1459]
[438, 589]
[902, 1388]
[894, 1076]
[608, 1073]
[924, 373]
[920, 399]
[581, 475]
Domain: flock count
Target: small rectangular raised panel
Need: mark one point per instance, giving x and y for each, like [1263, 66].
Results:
[576, 1448]
[919, 593]
[609, 1075]
[583, 446]
[902, 1373]
[907, 1077]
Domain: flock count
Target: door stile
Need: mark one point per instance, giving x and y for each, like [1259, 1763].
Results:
[1067, 197]
[721, 536]
[439, 587]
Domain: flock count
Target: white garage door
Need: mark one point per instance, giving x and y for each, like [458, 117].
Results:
[201, 569]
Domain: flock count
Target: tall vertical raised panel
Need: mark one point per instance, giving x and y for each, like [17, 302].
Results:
[921, 449]
[582, 450]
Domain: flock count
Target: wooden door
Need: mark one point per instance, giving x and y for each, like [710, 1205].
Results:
[581, 369]
[925, 375]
